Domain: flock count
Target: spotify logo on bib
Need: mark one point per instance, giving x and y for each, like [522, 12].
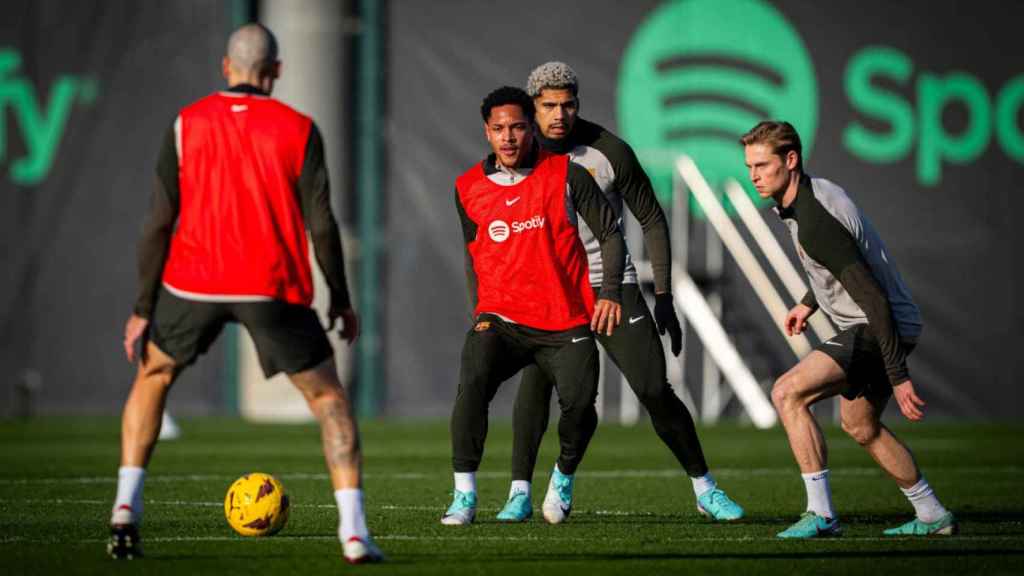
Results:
[498, 231]
[698, 74]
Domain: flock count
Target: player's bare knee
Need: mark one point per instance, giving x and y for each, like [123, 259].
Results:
[864, 431]
[788, 393]
[782, 393]
[158, 374]
[329, 403]
[317, 383]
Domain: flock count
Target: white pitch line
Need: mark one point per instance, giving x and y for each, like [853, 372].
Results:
[583, 475]
[396, 507]
[545, 538]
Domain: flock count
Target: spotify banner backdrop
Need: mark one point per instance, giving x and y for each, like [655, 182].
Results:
[87, 90]
[916, 108]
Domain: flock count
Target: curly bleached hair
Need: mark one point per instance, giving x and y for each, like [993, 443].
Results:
[556, 75]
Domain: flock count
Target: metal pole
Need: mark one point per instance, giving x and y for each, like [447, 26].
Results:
[368, 190]
[703, 320]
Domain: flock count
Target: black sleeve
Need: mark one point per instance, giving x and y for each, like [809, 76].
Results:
[315, 198]
[832, 245]
[635, 187]
[469, 229]
[155, 241]
[591, 204]
[810, 300]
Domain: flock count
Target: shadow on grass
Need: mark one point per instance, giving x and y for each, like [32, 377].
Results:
[669, 556]
[653, 518]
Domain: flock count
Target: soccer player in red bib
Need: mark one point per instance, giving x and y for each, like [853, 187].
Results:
[527, 273]
[240, 179]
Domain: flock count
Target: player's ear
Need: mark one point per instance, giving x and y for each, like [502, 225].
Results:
[792, 160]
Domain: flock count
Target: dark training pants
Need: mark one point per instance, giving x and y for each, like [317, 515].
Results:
[636, 349]
[493, 352]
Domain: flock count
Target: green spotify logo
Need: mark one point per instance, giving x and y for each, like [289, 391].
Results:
[41, 121]
[698, 74]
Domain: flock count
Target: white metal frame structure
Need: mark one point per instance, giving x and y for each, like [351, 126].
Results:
[741, 253]
[772, 250]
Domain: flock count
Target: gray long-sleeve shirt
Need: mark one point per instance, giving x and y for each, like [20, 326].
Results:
[853, 279]
[617, 171]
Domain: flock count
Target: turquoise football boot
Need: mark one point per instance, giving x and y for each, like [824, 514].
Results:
[517, 509]
[716, 505]
[558, 500]
[462, 511]
[810, 525]
[945, 526]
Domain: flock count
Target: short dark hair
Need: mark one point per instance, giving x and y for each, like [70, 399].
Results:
[778, 135]
[507, 95]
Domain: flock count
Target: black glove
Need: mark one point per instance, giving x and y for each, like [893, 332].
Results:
[665, 318]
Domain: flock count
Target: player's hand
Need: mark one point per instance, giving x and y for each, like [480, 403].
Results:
[796, 320]
[134, 328]
[665, 318]
[349, 324]
[607, 315]
[910, 403]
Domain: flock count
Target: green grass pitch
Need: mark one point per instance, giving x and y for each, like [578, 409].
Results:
[634, 511]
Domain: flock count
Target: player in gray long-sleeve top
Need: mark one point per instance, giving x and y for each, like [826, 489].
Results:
[855, 282]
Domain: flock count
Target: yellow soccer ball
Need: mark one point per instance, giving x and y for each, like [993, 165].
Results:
[256, 505]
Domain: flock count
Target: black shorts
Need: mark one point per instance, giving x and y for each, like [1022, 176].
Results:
[857, 353]
[288, 337]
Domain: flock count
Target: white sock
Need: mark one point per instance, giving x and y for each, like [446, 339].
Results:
[702, 484]
[819, 495]
[351, 519]
[519, 486]
[465, 482]
[926, 505]
[128, 502]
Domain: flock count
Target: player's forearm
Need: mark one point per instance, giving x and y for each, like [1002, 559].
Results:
[331, 257]
[660, 252]
[323, 231]
[865, 291]
[613, 260]
[640, 198]
[151, 252]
